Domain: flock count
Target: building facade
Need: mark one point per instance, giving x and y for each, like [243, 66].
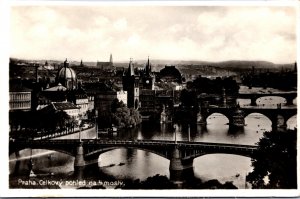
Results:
[106, 66]
[20, 100]
[20, 97]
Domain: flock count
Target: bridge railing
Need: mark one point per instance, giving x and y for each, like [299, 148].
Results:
[133, 142]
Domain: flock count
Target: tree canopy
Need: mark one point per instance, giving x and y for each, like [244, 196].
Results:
[124, 117]
[275, 164]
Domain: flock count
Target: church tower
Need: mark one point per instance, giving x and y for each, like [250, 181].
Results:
[148, 78]
[111, 60]
[131, 85]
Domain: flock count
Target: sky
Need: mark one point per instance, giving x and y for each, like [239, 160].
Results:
[206, 33]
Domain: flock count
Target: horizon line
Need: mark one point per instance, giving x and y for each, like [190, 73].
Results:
[177, 60]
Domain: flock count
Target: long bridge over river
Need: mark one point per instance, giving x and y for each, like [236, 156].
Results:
[277, 115]
[253, 95]
[87, 151]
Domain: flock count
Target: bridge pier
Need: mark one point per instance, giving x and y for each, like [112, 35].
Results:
[179, 168]
[237, 121]
[79, 162]
[201, 119]
[18, 162]
[253, 101]
[289, 100]
[282, 127]
[278, 123]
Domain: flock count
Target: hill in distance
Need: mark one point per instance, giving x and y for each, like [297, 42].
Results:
[158, 64]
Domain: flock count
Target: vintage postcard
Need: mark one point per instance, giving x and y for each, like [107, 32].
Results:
[151, 99]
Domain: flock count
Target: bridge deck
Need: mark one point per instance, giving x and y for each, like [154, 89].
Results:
[130, 142]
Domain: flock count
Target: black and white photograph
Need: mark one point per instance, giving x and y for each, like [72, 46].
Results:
[152, 96]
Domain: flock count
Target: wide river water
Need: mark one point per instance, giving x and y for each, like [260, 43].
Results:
[139, 164]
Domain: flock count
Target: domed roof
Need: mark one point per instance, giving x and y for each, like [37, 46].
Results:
[170, 73]
[67, 77]
[67, 73]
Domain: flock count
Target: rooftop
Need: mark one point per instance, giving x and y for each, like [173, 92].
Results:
[64, 105]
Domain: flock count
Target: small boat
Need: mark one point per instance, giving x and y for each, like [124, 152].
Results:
[237, 175]
[121, 163]
[111, 165]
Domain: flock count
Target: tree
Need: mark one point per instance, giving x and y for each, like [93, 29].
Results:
[116, 104]
[274, 163]
[125, 117]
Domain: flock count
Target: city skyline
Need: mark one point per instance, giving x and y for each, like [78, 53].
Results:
[205, 33]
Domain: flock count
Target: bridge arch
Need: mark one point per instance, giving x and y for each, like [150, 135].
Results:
[251, 117]
[270, 100]
[11, 152]
[292, 122]
[213, 115]
[222, 153]
[42, 159]
[96, 154]
[238, 165]
[198, 155]
[144, 164]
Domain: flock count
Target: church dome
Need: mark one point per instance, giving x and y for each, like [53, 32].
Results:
[170, 74]
[67, 73]
[67, 76]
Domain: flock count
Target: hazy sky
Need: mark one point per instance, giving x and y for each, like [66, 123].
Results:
[161, 32]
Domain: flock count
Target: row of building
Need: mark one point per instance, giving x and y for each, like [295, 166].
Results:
[138, 89]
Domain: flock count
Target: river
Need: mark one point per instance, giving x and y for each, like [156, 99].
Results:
[138, 164]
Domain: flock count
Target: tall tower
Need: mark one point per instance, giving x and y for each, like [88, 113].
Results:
[131, 85]
[111, 60]
[148, 69]
[148, 79]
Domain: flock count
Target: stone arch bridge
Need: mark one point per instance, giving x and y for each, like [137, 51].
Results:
[289, 96]
[278, 116]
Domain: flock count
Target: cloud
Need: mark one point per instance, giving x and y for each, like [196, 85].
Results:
[185, 33]
[120, 24]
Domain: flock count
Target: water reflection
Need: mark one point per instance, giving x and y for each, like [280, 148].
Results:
[138, 164]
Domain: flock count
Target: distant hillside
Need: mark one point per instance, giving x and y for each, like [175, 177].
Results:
[159, 64]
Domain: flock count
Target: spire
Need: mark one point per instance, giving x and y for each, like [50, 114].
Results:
[111, 59]
[130, 68]
[148, 69]
[81, 64]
